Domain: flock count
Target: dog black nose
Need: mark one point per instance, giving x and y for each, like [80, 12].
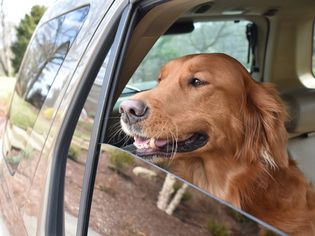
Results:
[133, 111]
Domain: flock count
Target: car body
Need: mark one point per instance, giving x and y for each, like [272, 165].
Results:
[73, 78]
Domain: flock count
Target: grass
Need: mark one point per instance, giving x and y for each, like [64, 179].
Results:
[217, 228]
[22, 113]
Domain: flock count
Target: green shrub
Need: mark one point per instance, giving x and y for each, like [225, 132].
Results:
[186, 196]
[119, 159]
[217, 228]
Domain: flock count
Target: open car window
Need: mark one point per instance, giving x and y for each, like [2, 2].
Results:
[215, 36]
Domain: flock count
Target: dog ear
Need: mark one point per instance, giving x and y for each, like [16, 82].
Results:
[264, 116]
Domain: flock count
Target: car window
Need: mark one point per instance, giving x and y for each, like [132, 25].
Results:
[45, 56]
[216, 36]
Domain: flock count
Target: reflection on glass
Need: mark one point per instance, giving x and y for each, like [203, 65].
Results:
[45, 56]
[38, 90]
[132, 197]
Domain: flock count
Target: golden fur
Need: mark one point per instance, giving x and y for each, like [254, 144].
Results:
[245, 160]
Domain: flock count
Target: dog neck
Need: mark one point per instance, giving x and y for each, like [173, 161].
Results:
[223, 177]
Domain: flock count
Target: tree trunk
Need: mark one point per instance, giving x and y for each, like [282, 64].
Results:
[5, 59]
[166, 192]
[176, 199]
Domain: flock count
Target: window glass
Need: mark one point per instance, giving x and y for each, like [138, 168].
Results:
[45, 56]
[134, 197]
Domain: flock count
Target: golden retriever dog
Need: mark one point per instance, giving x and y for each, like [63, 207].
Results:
[224, 132]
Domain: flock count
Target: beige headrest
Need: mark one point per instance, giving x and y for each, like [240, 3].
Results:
[301, 108]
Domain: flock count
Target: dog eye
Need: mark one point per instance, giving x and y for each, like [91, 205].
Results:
[196, 82]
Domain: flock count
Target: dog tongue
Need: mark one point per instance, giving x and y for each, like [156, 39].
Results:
[160, 142]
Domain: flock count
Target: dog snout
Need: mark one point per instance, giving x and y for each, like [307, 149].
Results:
[133, 111]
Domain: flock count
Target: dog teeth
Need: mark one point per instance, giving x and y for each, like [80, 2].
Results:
[146, 145]
[152, 143]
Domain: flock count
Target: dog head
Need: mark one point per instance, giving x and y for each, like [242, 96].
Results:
[207, 103]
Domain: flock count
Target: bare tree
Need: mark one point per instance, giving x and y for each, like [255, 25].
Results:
[5, 34]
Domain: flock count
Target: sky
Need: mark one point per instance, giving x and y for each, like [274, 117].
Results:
[16, 9]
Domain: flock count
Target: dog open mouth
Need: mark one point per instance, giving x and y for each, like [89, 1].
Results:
[148, 147]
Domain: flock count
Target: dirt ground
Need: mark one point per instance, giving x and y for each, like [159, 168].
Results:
[125, 204]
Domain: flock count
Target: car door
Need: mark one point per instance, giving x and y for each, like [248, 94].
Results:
[55, 50]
